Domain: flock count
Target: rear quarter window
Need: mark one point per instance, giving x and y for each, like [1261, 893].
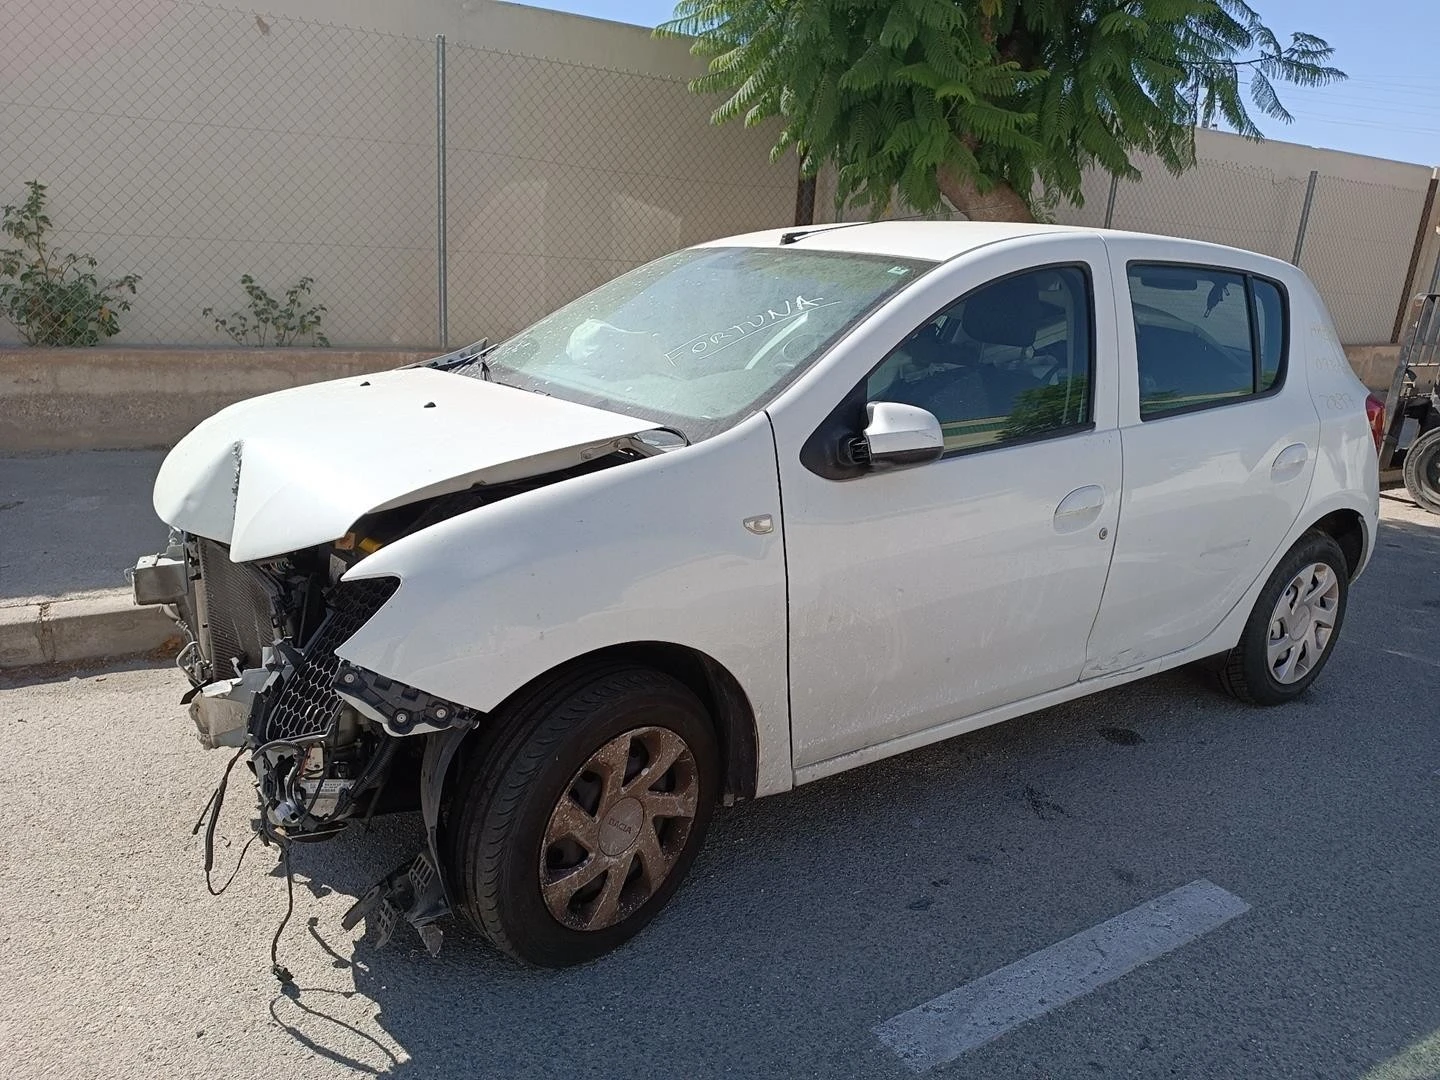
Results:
[1270, 330]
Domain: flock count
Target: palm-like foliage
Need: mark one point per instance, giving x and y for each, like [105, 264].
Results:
[969, 96]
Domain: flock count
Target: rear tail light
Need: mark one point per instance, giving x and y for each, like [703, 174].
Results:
[1375, 414]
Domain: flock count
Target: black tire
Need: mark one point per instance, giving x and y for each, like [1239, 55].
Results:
[1245, 672]
[504, 799]
[1422, 470]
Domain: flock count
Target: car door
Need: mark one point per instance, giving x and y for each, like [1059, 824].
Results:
[930, 594]
[1219, 435]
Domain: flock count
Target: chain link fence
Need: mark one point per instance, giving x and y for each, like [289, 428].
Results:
[268, 179]
[192, 145]
[1357, 248]
[561, 176]
[1354, 239]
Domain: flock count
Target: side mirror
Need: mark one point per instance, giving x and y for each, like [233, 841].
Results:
[897, 436]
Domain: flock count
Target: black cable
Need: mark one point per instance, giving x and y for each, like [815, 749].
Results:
[377, 769]
[238, 863]
[265, 832]
[375, 799]
[298, 748]
[219, 791]
[212, 807]
[276, 968]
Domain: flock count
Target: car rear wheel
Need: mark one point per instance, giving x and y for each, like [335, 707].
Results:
[577, 824]
[1293, 626]
[1422, 470]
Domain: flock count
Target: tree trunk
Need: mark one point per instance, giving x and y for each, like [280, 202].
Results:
[1000, 203]
[805, 201]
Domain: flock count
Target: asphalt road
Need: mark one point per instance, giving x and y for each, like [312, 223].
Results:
[810, 918]
[70, 524]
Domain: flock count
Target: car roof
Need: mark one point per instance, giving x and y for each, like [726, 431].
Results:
[937, 241]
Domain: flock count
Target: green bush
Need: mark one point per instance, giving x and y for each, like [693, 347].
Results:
[269, 322]
[53, 297]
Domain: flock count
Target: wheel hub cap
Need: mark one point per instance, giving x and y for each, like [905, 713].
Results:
[621, 827]
[618, 828]
[1303, 622]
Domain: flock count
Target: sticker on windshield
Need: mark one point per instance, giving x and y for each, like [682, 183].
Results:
[711, 343]
[898, 271]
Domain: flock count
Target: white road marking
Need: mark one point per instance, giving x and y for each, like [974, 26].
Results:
[942, 1029]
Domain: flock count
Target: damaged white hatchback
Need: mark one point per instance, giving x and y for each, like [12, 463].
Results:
[750, 515]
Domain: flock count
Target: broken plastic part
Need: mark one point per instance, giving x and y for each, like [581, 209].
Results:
[413, 891]
[416, 890]
[221, 710]
[400, 709]
[160, 579]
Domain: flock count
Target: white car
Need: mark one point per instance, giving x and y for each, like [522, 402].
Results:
[752, 514]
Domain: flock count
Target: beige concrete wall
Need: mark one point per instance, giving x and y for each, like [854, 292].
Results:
[192, 143]
[514, 28]
[1358, 239]
[1374, 364]
[127, 399]
[131, 399]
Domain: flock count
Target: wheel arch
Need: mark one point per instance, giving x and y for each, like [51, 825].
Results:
[1348, 529]
[719, 691]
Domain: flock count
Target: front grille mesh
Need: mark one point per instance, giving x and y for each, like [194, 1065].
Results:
[307, 705]
[238, 606]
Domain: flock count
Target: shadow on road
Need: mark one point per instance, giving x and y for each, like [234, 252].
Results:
[801, 909]
[812, 916]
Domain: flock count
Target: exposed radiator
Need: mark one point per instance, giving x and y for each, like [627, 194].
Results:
[238, 606]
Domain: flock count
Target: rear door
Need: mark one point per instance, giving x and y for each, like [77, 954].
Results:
[1219, 437]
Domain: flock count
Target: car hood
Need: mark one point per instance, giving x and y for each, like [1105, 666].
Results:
[297, 468]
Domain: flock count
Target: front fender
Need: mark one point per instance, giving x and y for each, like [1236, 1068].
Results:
[653, 550]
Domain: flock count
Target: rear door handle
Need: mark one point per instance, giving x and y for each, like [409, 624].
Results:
[1080, 509]
[1289, 463]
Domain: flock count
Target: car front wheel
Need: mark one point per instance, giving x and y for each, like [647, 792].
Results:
[577, 823]
[1293, 626]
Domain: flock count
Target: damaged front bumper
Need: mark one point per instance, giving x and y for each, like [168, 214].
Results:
[323, 735]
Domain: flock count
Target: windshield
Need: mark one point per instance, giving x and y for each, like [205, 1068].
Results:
[701, 338]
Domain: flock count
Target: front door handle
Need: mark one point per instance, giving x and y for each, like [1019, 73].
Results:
[1289, 463]
[1080, 509]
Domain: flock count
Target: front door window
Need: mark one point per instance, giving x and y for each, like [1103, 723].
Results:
[1009, 361]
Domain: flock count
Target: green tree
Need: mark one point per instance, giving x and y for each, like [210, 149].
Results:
[992, 102]
[1046, 408]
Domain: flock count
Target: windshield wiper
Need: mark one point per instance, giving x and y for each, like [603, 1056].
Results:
[452, 361]
[461, 357]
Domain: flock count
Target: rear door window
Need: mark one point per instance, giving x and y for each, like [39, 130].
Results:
[1204, 336]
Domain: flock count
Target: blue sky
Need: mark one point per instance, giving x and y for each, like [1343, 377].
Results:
[1389, 107]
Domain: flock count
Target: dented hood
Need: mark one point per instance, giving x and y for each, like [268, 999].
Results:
[297, 468]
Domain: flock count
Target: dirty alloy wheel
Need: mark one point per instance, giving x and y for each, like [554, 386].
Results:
[576, 824]
[619, 828]
[1292, 629]
[1422, 470]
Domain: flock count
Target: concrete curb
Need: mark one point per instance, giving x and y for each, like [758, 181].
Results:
[85, 628]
